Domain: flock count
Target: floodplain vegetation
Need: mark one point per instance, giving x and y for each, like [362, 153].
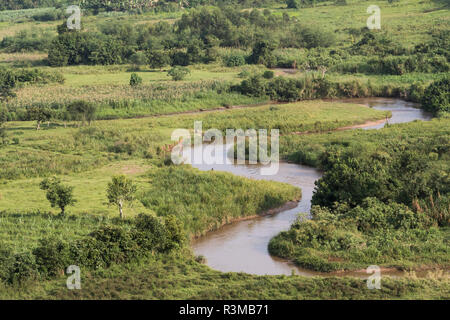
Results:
[85, 124]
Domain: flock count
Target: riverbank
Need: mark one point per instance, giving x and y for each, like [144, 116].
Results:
[229, 241]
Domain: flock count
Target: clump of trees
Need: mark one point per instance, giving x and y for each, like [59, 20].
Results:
[436, 97]
[192, 39]
[105, 246]
[7, 84]
[3, 120]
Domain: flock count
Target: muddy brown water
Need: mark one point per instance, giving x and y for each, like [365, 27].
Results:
[243, 246]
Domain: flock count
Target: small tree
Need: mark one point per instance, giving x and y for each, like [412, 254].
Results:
[3, 119]
[135, 80]
[3, 135]
[262, 53]
[138, 59]
[82, 111]
[39, 113]
[293, 4]
[7, 84]
[178, 73]
[120, 190]
[157, 59]
[58, 194]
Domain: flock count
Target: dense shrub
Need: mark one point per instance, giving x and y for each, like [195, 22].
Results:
[135, 80]
[262, 53]
[51, 256]
[374, 233]
[436, 97]
[8, 81]
[26, 40]
[107, 245]
[234, 60]
[178, 73]
[268, 74]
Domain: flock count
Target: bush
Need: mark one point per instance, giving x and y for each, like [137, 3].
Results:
[178, 73]
[262, 53]
[23, 268]
[436, 97]
[135, 80]
[254, 86]
[234, 60]
[52, 257]
[151, 234]
[268, 74]
[116, 244]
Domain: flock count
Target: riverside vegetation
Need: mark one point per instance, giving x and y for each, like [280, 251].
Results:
[101, 98]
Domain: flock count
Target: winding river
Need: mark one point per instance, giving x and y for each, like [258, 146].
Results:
[243, 246]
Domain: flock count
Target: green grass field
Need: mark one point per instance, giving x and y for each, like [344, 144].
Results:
[133, 126]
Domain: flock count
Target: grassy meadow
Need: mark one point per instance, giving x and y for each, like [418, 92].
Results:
[383, 198]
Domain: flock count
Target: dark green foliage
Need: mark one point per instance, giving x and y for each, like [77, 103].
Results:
[391, 173]
[304, 36]
[175, 230]
[268, 74]
[375, 44]
[373, 233]
[254, 86]
[157, 58]
[436, 97]
[23, 268]
[262, 53]
[293, 4]
[179, 58]
[138, 60]
[26, 40]
[107, 245]
[82, 111]
[76, 47]
[52, 257]
[58, 194]
[234, 60]
[28, 4]
[135, 80]
[7, 83]
[178, 73]
[151, 234]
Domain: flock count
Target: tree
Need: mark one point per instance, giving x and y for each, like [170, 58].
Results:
[138, 59]
[58, 194]
[437, 96]
[3, 119]
[82, 111]
[262, 53]
[120, 190]
[293, 4]
[157, 59]
[39, 113]
[135, 80]
[7, 83]
[178, 73]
